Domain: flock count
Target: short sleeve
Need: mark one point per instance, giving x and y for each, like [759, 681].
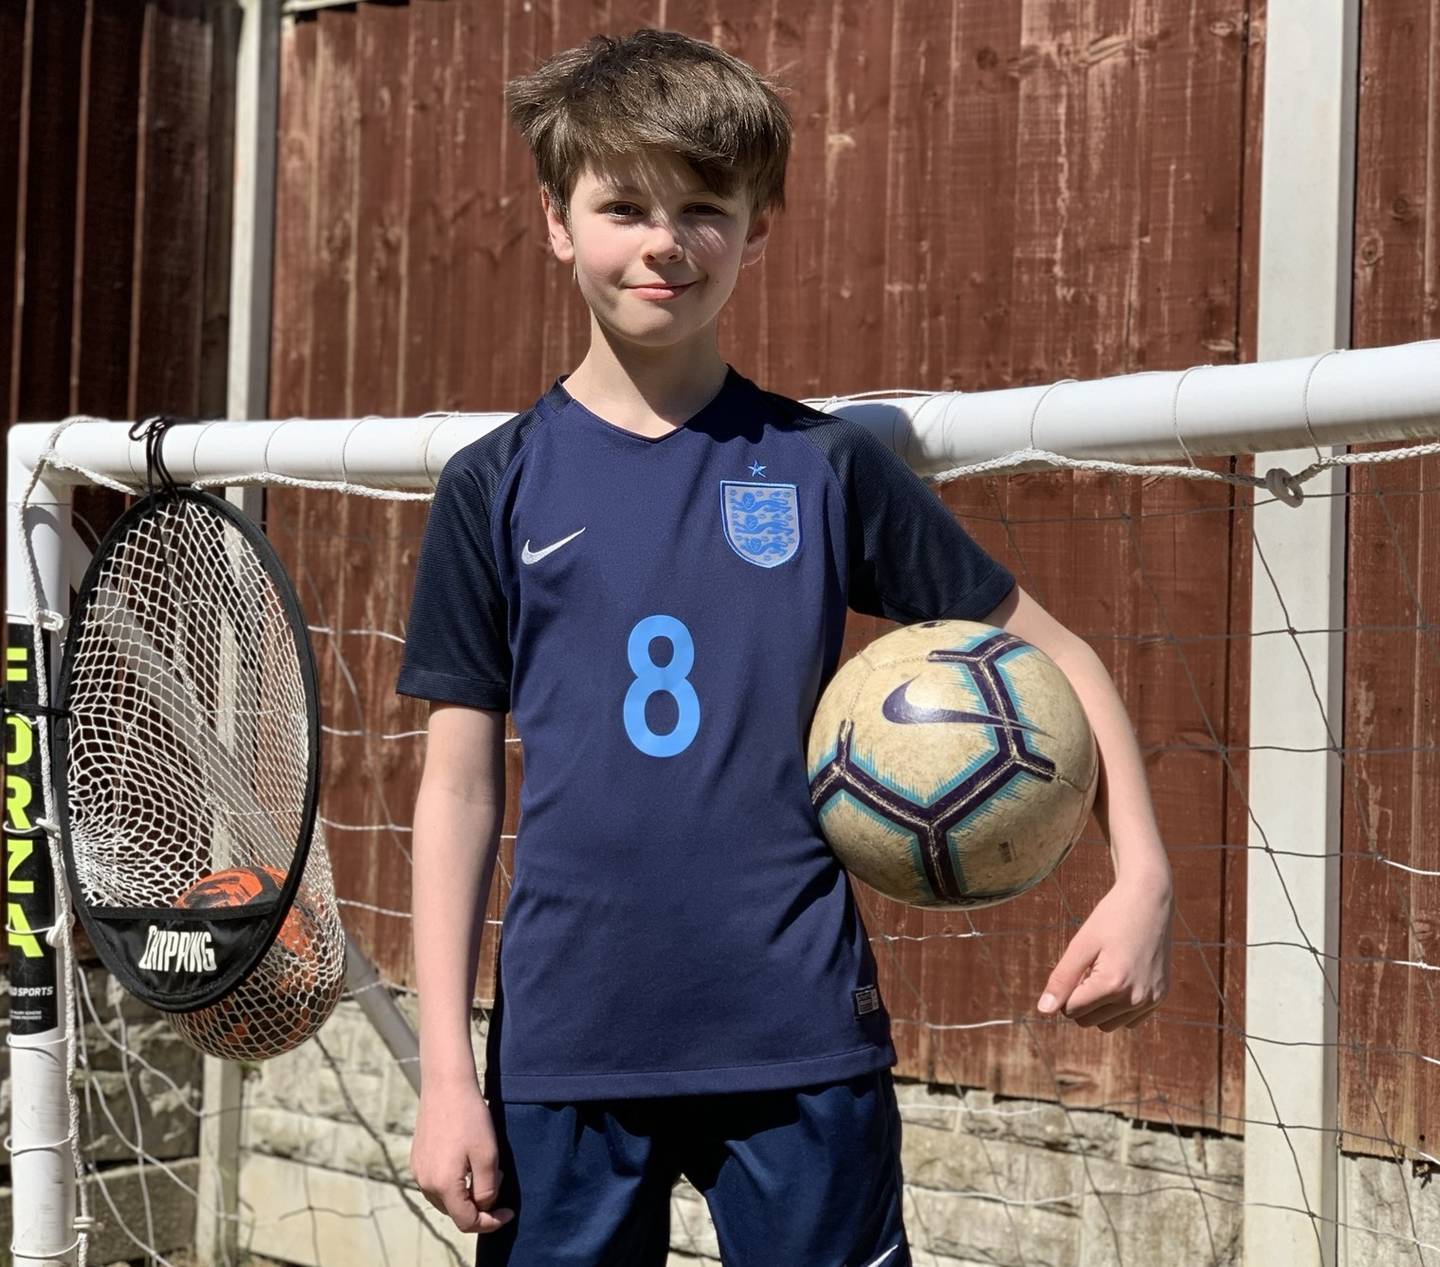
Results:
[909, 560]
[456, 648]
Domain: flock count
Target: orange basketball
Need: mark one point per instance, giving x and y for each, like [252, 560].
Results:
[283, 1002]
[239, 886]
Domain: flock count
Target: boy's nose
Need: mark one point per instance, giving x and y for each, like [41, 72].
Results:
[664, 246]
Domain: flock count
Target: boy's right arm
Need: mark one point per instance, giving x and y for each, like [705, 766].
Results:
[457, 820]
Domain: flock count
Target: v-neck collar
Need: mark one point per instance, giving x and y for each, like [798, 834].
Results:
[559, 401]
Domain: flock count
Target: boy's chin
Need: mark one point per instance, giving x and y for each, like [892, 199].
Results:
[654, 334]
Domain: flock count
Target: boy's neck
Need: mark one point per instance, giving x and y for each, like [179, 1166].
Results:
[651, 397]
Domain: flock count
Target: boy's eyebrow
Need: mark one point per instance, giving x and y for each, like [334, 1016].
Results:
[631, 189]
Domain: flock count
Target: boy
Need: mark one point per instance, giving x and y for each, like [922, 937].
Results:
[685, 985]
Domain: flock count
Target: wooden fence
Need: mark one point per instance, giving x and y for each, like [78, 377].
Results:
[980, 196]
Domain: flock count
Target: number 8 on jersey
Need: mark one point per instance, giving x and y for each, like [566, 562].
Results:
[672, 678]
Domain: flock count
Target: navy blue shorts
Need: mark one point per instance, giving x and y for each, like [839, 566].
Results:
[808, 1177]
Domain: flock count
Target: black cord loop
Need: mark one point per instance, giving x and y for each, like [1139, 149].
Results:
[7, 705]
[152, 430]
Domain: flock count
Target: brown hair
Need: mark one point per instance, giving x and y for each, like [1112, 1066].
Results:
[610, 97]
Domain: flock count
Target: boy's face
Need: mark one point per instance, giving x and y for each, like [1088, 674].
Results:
[646, 219]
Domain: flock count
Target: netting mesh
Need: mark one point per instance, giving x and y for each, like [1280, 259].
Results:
[187, 750]
[1023, 1136]
[189, 754]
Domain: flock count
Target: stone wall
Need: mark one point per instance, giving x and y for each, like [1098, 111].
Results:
[992, 1182]
[325, 1169]
[988, 1183]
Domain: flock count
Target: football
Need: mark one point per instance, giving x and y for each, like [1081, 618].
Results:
[951, 765]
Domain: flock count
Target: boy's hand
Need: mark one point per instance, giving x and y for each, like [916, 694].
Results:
[1116, 968]
[455, 1141]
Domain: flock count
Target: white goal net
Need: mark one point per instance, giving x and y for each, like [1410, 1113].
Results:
[1251, 550]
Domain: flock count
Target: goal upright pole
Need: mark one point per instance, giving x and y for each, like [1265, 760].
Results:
[42, 1158]
[1297, 700]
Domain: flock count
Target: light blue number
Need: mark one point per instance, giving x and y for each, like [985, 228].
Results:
[671, 678]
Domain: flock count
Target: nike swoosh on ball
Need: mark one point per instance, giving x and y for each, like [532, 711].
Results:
[898, 708]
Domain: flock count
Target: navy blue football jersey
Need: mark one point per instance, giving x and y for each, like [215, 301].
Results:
[659, 616]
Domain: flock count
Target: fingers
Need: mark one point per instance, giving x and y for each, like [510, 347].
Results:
[1108, 1014]
[1101, 1000]
[1101, 1014]
[1128, 1017]
[1074, 967]
[484, 1191]
[1135, 1020]
[1093, 992]
[491, 1221]
[469, 1210]
[453, 1199]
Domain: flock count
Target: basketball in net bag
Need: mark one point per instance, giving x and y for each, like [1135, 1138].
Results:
[290, 993]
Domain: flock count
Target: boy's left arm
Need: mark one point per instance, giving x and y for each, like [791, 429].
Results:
[1116, 968]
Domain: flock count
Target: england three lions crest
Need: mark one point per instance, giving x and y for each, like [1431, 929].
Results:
[762, 521]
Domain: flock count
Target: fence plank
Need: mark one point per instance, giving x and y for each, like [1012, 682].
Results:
[1388, 1033]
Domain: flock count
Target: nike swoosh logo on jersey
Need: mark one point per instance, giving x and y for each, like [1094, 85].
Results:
[875, 1262]
[899, 709]
[527, 555]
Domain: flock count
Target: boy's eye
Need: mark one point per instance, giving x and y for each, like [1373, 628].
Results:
[626, 209]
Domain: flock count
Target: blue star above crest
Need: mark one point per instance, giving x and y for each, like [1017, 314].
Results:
[756, 469]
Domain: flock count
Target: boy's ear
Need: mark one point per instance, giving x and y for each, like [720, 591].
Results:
[755, 239]
[559, 236]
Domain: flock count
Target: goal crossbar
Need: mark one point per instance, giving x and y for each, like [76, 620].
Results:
[1367, 395]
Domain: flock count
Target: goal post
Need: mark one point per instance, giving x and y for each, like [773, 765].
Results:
[1140, 425]
[1357, 396]
[42, 1131]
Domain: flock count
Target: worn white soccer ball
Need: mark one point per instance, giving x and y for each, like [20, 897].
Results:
[951, 765]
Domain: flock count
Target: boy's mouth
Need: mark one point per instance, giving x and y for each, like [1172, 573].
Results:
[661, 292]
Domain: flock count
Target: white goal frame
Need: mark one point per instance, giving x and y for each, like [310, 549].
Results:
[1303, 406]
